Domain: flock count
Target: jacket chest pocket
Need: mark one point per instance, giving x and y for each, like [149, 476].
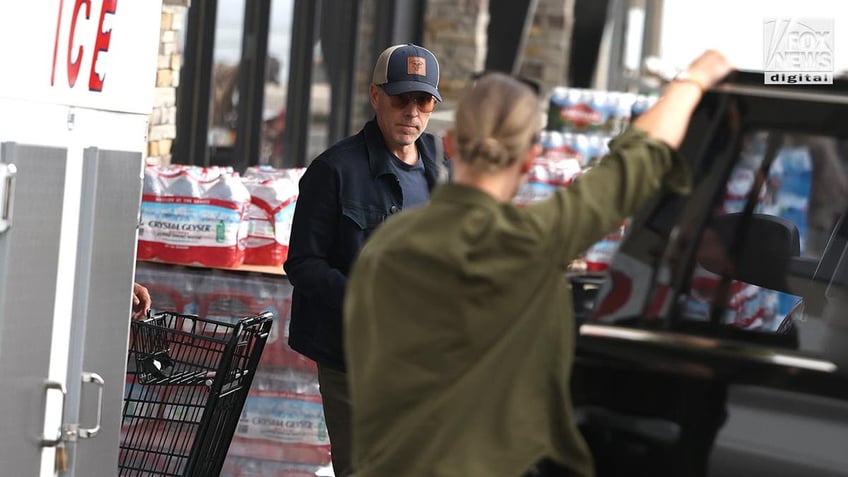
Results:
[364, 217]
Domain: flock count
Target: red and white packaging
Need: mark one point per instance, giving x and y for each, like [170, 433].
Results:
[283, 427]
[748, 307]
[191, 215]
[556, 168]
[269, 216]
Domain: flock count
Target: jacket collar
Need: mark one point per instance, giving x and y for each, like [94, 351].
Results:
[379, 157]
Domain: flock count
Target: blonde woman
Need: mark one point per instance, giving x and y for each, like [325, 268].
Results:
[458, 327]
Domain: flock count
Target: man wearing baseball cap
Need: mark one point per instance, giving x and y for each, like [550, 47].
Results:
[346, 192]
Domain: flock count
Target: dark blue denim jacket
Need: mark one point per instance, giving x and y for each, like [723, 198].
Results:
[345, 193]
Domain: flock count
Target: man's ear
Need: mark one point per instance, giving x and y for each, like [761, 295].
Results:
[373, 94]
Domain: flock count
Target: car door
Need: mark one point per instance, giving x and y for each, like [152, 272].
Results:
[718, 336]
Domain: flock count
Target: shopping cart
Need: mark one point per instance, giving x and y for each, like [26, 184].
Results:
[187, 382]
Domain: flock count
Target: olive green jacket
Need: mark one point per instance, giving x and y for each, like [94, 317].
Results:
[459, 325]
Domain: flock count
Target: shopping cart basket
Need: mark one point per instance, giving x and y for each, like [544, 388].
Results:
[187, 382]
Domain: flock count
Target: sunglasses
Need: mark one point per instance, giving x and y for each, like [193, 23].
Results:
[424, 101]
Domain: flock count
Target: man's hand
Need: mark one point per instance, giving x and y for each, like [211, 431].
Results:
[141, 302]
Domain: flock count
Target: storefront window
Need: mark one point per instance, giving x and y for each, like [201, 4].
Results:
[223, 110]
[319, 104]
[250, 119]
[276, 83]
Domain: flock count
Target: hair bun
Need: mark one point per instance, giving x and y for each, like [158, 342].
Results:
[490, 150]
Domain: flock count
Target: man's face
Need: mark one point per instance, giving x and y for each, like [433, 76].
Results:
[402, 118]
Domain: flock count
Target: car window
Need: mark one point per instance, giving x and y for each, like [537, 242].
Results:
[799, 187]
[756, 254]
[751, 266]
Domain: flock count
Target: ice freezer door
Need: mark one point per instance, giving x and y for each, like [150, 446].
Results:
[109, 214]
[29, 261]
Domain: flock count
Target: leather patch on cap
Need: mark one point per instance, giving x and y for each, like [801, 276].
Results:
[416, 65]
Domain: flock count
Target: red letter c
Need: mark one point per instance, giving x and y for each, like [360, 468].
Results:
[74, 65]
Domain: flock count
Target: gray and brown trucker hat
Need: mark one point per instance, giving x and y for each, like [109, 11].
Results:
[407, 68]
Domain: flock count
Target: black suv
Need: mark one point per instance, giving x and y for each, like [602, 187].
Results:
[717, 342]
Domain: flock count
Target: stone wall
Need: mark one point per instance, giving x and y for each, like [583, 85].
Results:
[163, 117]
[455, 31]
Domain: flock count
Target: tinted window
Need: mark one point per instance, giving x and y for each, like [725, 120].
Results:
[800, 180]
[757, 253]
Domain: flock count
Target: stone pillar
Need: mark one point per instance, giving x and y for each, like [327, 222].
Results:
[455, 31]
[163, 118]
[548, 45]
[361, 108]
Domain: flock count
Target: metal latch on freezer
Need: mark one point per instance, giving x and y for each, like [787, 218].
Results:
[7, 194]
[72, 432]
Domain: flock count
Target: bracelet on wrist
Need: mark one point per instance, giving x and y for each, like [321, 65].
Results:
[686, 77]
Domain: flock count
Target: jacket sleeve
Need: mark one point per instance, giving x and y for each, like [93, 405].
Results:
[313, 233]
[636, 169]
